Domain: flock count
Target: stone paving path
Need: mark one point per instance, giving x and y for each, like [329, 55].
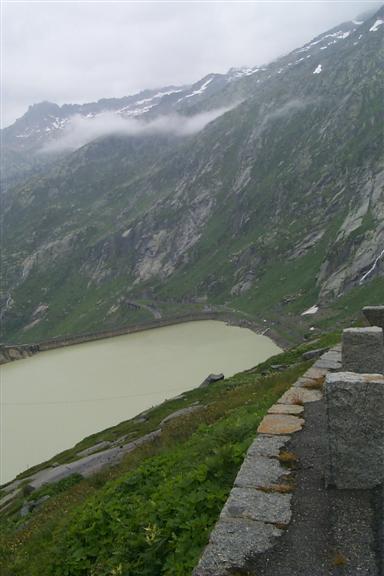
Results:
[279, 519]
[332, 531]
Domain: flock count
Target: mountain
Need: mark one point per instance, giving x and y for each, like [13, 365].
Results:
[258, 191]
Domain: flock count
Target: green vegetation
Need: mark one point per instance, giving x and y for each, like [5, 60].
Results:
[151, 514]
[347, 310]
[56, 488]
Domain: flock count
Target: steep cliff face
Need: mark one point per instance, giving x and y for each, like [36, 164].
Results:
[356, 256]
[273, 206]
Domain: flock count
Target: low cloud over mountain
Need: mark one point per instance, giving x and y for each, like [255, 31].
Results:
[80, 129]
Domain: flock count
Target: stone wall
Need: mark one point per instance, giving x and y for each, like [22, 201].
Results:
[355, 408]
[258, 509]
[11, 353]
[355, 414]
[23, 350]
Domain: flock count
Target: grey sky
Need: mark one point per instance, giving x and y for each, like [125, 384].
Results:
[83, 51]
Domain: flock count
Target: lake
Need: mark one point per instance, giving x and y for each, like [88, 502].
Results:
[51, 401]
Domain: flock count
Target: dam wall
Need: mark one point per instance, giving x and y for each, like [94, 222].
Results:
[11, 352]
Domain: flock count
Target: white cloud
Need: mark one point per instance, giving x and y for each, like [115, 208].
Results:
[81, 130]
[83, 51]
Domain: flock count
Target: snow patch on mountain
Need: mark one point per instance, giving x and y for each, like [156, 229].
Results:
[197, 92]
[311, 310]
[240, 72]
[379, 22]
[145, 104]
[317, 70]
[336, 36]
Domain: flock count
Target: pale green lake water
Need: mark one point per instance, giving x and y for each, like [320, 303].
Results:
[53, 400]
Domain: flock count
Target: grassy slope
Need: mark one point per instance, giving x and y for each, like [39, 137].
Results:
[152, 514]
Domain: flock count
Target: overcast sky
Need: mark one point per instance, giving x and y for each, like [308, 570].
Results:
[82, 51]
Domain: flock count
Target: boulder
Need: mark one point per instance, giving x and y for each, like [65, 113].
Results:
[211, 379]
[181, 412]
[26, 509]
[363, 350]
[355, 416]
[374, 315]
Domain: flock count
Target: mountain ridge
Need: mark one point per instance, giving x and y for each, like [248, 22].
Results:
[288, 184]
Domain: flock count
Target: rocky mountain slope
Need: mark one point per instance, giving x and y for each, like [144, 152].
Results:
[260, 191]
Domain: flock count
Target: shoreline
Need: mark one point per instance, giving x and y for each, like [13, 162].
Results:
[12, 352]
[207, 328]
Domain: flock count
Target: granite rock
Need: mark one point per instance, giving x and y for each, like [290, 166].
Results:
[267, 446]
[355, 416]
[363, 350]
[300, 395]
[293, 409]
[211, 379]
[280, 424]
[232, 543]
[260, 472]
[374, 315]
[257, 505]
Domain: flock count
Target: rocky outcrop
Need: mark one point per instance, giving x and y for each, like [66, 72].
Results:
[211, 379]
[182, 412]
[11, 353]
[87, 465]
[355, 256]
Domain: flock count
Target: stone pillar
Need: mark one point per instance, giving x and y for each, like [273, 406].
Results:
[355, 417]
[363, 350]
[374, 315]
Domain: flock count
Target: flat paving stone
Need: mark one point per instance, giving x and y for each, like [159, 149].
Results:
[328, 363]
[293, 409]
[300, 396]
[280, 424]
[258, 505]
[304, 382]
[315, 373]
[260, 472]
[267, 446]
[232, 542]
[334, 354]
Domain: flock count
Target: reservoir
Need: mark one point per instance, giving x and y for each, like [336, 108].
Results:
[51, 401]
